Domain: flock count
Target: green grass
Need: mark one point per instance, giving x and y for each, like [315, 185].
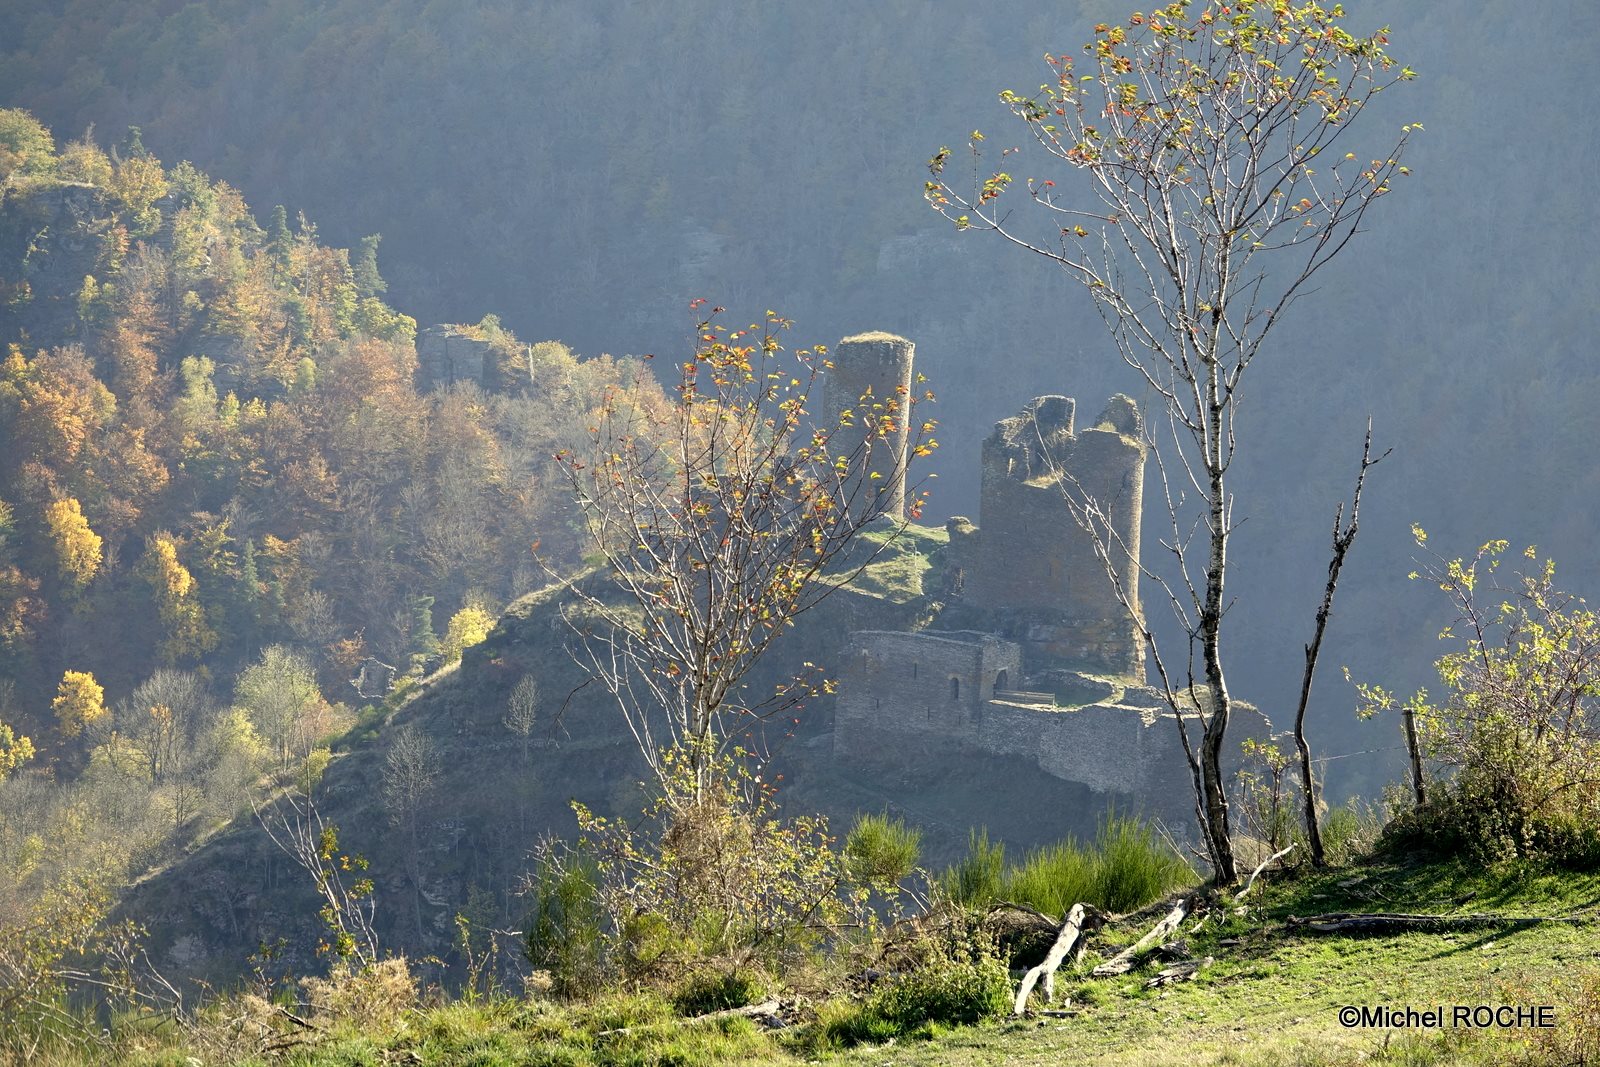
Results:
[896, 573]
[1124, 869]
[1269, 999]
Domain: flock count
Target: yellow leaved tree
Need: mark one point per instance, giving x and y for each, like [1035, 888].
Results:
[78, 548]
[177, 601]
[79, 702]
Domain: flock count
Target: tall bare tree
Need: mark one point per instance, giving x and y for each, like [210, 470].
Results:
[721, 516]
[1214, 182]
[522, 710]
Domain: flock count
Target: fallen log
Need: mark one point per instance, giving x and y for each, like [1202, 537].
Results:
[1179, 972]
[1269, 861]
[766, 1007]
[1124, 961]
[1344, 922]
[1081, 918]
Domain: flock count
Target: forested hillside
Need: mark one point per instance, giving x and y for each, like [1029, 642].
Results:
[583, 170]
[384, 679]
[215, 443]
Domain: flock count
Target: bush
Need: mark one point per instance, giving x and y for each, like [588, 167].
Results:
[712, 873]
[978, 878]
[957, 981]
[566, 936]
[881, 851]
[1513, 729]
[1053, 878]
[1486, 822]
[1350, 831]
[944, 991]
[1132, 868]
[371, 998]
[718, 990]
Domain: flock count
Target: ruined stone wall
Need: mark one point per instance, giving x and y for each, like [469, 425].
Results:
[1112, 749]
[1035, 573]
[871, 378]
[918, 689]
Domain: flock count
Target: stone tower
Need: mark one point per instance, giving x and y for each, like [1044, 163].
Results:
[1036, 568]
[871, 378]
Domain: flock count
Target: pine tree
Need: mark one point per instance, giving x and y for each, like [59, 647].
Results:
[368, 281]
[423, 639]
[279, 239]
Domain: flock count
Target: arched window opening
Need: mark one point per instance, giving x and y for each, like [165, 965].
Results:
[955, 689]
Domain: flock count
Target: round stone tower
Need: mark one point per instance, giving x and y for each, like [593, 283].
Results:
[871, 379]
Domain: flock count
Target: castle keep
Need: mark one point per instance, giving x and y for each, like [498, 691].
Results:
[1031, 569]
[1031, 653]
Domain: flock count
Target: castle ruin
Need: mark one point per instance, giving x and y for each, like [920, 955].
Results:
[1032, 653]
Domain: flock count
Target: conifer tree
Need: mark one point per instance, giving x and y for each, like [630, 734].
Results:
[368, 281]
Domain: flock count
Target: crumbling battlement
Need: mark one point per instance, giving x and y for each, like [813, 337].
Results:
[915, 697]
[1033, 573]
[908, 698]
[1041, 658]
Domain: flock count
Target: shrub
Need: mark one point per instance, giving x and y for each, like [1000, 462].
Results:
[1053, 878]
[1350, 831]
[371, 998]
[1132, 867]
[944, 991]
[977, 879]
[718, 990]
[881, 851]
[1511, 740]
[709, 874]
[566, 934]
[955, 979]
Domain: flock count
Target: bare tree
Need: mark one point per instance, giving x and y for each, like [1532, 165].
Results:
[294, 823]
[1212, 146]
[522, 710]
[410, 772]
[1344, 535]
[721, 516]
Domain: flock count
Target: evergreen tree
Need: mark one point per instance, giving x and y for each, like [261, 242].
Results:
[278, 237]
[368, 281]
[423, 639]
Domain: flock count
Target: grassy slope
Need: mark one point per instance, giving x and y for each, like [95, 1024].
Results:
[1273, 998]
[1269, 999]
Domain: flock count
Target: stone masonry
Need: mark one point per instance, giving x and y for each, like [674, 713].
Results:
[871, 380]
[1035, 571]
[1036, 657]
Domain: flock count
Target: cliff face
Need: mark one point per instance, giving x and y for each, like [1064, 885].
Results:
[50, 239]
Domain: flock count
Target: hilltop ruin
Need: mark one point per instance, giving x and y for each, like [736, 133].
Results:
[1032, 654]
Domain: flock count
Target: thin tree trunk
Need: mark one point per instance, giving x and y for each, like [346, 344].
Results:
[1218, 832]
[1343, 538]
